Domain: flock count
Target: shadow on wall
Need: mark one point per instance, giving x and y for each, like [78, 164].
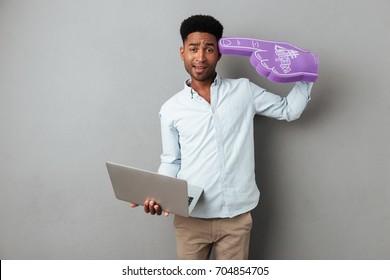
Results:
[267, 215]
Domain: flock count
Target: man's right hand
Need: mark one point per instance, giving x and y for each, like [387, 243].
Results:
[150, 206]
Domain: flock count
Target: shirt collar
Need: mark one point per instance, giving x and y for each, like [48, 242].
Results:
[217, 82]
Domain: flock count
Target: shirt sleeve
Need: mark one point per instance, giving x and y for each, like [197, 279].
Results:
[287, 108]
[171, 156]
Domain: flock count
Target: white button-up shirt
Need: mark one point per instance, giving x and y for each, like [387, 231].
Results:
[212, 145]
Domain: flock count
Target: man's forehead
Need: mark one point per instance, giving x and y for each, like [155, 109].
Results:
[201, 43]
[199, 38]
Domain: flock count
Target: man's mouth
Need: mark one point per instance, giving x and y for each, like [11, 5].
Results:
[200, 69]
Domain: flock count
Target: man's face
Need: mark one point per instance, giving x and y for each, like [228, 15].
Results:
[200, 55]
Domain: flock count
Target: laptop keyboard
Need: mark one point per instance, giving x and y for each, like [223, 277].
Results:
[190, 198]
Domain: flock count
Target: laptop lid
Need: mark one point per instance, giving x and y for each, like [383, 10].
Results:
[136, 185]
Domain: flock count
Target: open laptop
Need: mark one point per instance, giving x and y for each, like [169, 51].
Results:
[135, 185]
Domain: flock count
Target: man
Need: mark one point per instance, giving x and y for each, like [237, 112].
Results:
[207, 138]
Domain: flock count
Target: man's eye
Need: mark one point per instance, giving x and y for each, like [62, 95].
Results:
[210, 50]
[192, 50]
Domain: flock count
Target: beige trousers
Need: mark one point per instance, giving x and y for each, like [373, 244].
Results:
[195, 238]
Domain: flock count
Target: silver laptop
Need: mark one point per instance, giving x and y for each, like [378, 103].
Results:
[135, 185]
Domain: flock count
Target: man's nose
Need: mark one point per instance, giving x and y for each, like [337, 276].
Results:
[200, 55]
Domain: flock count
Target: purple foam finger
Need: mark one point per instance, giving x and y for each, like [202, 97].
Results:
[277, 61]
[238, 46]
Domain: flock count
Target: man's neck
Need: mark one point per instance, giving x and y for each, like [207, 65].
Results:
[203, 87]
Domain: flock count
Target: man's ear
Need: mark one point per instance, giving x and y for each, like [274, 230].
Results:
[182, 53]
[219, 55]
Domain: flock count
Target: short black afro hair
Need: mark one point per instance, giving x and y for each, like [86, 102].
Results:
[201, 23]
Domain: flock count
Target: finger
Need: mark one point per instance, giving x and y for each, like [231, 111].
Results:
[238, 46]
[146, 206]
[132, 205]
[158, 210]
[151, 207]
[166, 214]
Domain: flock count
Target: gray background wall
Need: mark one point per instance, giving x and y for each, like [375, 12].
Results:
[81, 82]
